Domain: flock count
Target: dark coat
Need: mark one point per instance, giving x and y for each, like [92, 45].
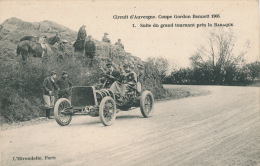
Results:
[82, 33]
[130, 77]
[117, 77]
[90, 46]
[49, 85]
[64, 84]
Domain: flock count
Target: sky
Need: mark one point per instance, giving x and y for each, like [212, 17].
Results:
[173, 43]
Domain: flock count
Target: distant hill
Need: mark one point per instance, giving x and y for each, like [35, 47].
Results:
[14, 29]
[20, 88]
[11, 30]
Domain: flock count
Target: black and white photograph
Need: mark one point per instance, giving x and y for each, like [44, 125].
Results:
[129, 83]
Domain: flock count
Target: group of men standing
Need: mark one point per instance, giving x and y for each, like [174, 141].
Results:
[50, 85]
[84, 41]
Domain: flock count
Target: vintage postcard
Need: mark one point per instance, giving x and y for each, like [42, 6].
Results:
[129, 82]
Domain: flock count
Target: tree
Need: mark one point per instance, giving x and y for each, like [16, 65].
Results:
[254, 70]
[161, 64]
[217, 58]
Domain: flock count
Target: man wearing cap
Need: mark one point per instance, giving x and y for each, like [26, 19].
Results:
[105, 38]
[119, 43]
[110, 76]
[90, 48]
[64, 86]
[49, 86]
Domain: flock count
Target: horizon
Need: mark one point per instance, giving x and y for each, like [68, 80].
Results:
[174, 44]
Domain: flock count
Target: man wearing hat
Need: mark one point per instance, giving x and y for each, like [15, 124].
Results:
[79, 43]
[82, 33]
[105, 38]
[90, 48]
[64, 86]
[110, 76]
[49, 86]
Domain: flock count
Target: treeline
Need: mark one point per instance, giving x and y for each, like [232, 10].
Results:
[216, 62]
[205, 75]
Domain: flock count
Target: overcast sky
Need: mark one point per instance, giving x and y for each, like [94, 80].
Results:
[175, 44]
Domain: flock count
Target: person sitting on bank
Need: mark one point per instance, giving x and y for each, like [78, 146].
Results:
[105, 38]
[119, 43]
[64, 86]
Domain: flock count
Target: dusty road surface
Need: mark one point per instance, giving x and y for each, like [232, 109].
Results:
[221, 128]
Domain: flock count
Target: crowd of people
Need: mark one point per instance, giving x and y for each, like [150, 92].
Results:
[82, 43]
[119, 82]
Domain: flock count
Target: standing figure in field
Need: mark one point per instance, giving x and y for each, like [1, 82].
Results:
[82, 34]
[105, 38]
[62, 49]
[49, 86]
[64, 86]
[90, 48]
[43, 44]
[119, 43]
[79, 43]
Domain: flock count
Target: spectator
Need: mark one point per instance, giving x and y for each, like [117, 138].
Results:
[64, 86]
[105, 38]
[119, 43]
[49, 86]
[90, 48]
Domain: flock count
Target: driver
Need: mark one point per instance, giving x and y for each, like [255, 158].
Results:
[110, 76]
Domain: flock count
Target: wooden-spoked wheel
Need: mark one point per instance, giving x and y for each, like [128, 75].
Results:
[62, 112]
[107, 111]
[146, 103]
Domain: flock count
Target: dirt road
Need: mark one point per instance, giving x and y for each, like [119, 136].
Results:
[222, 128]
